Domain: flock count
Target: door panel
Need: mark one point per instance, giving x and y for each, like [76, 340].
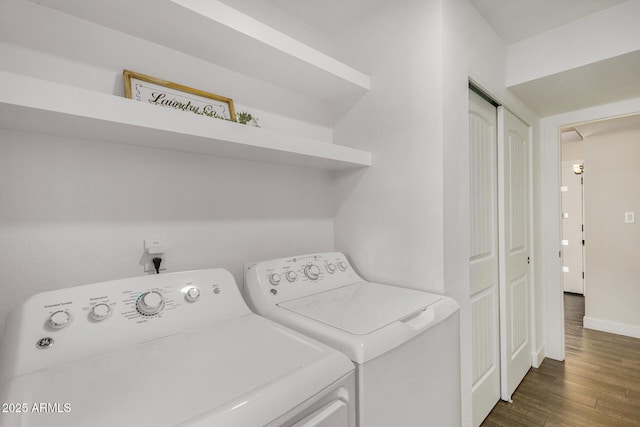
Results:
[514, 192]
[572, 235]
[483, 261]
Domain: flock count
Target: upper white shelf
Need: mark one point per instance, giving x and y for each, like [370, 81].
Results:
[219, 34]
[41, 106]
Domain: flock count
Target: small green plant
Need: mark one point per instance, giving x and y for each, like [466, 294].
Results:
[247, 119]
[244, 117]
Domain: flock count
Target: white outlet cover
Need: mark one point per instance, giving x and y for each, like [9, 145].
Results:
[629, 217]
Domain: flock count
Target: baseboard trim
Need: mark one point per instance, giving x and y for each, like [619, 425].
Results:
[537, 357]
[611, 327]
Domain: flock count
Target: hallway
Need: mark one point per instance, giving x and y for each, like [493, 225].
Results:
[598, 384]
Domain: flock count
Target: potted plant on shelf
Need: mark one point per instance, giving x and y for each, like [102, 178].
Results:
[247, 119]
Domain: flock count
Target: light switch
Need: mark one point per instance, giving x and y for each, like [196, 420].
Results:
[629, 217]
[565, 269]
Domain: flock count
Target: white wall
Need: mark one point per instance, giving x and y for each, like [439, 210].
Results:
[77, 211]
[572, 150]
[389, 217]
[405, 221]
[611, 253]
[472, 50]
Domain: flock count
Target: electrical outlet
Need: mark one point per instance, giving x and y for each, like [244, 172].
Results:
[155, 248]
[150, 268]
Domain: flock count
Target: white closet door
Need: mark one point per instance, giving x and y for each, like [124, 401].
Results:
[514, 192]
[483, 261]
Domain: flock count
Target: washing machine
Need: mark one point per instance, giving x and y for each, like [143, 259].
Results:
[178, 349]
[404, 342]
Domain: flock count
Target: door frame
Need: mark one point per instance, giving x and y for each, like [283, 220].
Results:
[548, 169]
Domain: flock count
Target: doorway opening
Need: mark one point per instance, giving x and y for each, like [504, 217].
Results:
[600, 238]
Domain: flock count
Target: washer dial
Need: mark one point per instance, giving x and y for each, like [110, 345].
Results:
[150, 303]
[342, 265]
[274, 279]
[312, 271]
[100, 311]
[192, 295]
[331, 268]
[291, 276]
[60, 319]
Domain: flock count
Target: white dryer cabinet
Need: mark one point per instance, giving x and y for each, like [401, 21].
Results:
[405, 343]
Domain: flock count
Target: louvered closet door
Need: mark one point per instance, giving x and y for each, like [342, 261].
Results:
[514, 192]
[484, 256]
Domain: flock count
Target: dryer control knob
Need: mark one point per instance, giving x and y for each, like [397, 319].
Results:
[312, 271]
[291, 276]
[331, 268]
[192, 295]
[100, 311]
[150, 303]
[60, 319]
[342, 266]
[274, 279]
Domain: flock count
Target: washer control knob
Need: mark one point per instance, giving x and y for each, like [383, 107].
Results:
[312, 271]
[331, 268]
[150, 303]
[192, 295]
[100, 311]
[60, 319]
[274, 279]
[291, 276]
[342, 266]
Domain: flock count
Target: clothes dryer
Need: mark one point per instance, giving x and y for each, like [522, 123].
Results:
[404, 342]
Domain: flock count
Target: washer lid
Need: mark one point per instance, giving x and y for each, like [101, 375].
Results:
[247, 371]
[362, 308]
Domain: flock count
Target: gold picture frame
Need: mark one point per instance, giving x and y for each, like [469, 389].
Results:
[173, 95]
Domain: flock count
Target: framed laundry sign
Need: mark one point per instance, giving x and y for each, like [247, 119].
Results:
[172, 95]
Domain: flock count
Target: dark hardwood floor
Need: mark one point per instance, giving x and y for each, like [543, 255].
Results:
[598, 384]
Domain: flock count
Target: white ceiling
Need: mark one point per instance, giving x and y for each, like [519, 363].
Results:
[513, 20]
[516, 20]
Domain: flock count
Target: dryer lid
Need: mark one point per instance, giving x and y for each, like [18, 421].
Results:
[362, 308]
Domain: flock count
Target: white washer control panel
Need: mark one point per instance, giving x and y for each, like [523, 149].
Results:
[305, 275]
[73, 323]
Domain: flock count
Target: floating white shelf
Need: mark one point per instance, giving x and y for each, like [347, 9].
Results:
[41, 106]
[219, 34]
